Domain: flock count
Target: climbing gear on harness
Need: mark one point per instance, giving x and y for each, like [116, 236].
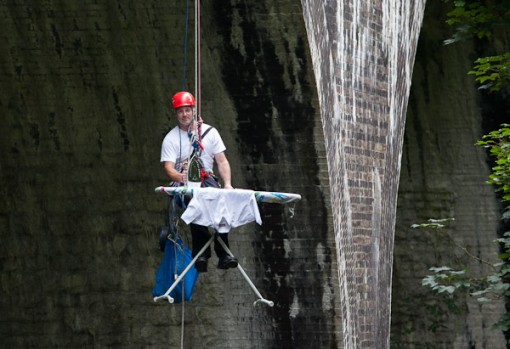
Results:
[196, 171]
[183, 99]
[170, 229]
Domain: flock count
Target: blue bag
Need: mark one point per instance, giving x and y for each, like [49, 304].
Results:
[176, 259]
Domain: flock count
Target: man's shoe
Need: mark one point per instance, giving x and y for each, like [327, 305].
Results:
[227, 262]
[201, 264]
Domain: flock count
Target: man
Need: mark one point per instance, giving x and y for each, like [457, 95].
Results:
[176, 149]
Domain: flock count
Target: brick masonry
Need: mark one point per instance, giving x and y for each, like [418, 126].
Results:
[363, 54]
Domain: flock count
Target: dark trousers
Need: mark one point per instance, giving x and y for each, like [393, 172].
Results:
[199, 237]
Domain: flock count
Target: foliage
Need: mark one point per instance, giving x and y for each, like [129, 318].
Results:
[445, 281]
[498, 143]
[493, 73]
[422, 310]
[476, 19]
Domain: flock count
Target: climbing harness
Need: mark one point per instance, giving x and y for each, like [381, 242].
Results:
[196, 169]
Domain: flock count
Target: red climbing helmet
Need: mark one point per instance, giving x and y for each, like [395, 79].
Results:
[183, 99]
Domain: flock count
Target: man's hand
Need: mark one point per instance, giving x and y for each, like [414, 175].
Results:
[184, 174]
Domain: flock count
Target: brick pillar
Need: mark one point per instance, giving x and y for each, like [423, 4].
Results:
[363, 54]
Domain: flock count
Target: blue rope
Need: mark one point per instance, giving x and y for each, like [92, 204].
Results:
[185, 48]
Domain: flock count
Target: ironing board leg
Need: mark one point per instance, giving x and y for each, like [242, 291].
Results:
[180, 277]
[243, 273]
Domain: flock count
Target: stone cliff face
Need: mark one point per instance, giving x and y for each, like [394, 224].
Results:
[85, 91]
[84, 104]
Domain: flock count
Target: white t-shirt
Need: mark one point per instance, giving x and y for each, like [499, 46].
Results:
[177, 147]
[222, 209]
